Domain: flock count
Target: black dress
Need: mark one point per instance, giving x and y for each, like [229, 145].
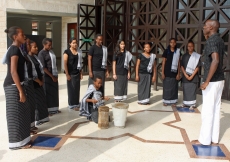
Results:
[73, 85]
[121, 84]
[144, 84]
[51, 88]
[170, 84]
[17, 113]
[41, 111]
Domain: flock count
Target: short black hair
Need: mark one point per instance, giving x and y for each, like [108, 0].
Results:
[12, 31]
[31, 41]
[46, 40]
[172, 39]
[190, 41]
[97, 77]
[149, 43]
[98, 35]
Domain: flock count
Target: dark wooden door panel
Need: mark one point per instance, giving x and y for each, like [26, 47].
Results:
[157, 20]
[148, 21]
[87, 29]
[114, 26]
[188, 20]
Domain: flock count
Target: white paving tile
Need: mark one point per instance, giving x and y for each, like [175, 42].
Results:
[148, 125]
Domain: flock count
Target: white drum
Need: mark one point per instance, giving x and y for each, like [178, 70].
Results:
[120, 110]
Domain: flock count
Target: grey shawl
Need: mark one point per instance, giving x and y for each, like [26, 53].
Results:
[128, 57]
[175, 60]
[151, 62]
[192, 63]
[40, 66]
[105, 55]
[84, 110]
[79, 65]
[53, 62]
[34, 71]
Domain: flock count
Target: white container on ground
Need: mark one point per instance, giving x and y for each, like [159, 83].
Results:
[120, 110]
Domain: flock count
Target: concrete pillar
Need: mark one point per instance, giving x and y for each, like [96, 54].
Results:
[3, 39]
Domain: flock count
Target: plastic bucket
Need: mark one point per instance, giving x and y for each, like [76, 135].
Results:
[120, 113]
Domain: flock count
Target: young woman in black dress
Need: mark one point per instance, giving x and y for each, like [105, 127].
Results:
[73, 66]
[121, 71]
[41, 111]
[17, 108]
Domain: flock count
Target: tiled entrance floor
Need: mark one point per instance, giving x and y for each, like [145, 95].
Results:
[152, 133]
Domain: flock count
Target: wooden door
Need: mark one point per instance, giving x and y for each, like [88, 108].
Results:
[87, 28]
[188, 20]
[113, 26]
[148, 21]
[72, 31]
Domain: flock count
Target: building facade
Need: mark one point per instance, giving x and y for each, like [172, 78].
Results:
[156, 21]
[23, 10]
[135, 21]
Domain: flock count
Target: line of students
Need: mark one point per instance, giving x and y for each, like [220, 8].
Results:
[171, 65]
[145, 74]
[34, 79]
[31, 87]
[73, 70]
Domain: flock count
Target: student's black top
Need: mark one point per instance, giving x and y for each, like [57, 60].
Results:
[168, 54]
[72, 62]
[45, 59]
[214, 44]
[29, 67]
[184, 63]
[14, 51]
[120, 60]
[38, 70]
[143, 64]
[97, 56]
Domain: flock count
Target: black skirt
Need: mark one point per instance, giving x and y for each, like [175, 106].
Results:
[52, 94]
[144, 88]
[73, 89]
[41, 113]
[189, 94]
[29, 87]
[18, 118]
[120, 87]
[170, 90]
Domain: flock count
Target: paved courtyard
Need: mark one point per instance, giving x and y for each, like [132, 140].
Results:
[152, 133]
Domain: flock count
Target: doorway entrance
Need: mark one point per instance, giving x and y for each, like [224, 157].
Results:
[72, 31]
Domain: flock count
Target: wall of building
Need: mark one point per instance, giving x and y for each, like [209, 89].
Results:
[3, 39]
[67, 8]
[65, 21]
[24, 24]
